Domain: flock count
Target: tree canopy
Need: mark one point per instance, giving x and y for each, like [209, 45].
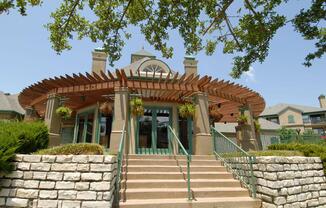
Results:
[245, 32]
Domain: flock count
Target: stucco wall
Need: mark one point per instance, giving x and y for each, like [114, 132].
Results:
[59, 181]
[290, 182]
[283, 117]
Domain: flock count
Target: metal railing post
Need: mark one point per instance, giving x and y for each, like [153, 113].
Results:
[236, 160]
[174, 136]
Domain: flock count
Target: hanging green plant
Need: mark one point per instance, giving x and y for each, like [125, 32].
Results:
[187, 110]
[242, 119]
[257, 125]
[137, 107]
[64, 112]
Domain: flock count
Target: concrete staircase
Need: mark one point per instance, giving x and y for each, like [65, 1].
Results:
[160, 181]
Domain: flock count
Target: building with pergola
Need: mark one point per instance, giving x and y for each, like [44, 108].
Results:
[161, 89]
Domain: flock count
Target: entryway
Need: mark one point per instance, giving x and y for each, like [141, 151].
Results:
[152, 131]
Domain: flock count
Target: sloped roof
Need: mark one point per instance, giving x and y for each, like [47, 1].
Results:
[10, 103]
[134, 66]
[143, 52]
[230, 127]
[276, 109]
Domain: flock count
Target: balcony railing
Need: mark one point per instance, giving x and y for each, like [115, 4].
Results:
[317, 120]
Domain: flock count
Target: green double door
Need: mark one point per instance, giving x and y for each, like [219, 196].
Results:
[152, 136]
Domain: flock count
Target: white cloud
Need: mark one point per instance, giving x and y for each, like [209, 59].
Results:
[250, 75]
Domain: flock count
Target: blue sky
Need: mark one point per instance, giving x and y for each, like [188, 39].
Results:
[26, 57]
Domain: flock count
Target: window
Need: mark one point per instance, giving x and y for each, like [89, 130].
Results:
[306, 118]
[291, 119]
[153, 68]
[273, 119]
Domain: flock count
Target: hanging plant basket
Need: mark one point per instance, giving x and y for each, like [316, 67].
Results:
[137, 107]
[257, 125]
[187, 110]
[64, 112]
[214, 113]
[242, 119]
[106, 108]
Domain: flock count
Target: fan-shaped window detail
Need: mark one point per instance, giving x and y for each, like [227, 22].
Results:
[153, 68]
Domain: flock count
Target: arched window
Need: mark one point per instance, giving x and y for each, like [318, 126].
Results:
[291, 119]
[153, 68]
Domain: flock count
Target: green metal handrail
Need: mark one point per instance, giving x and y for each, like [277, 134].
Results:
[238, 161]
[120, 162]
[174, 136]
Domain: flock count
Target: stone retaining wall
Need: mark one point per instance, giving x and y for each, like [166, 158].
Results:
[290, 182]
[59, 181]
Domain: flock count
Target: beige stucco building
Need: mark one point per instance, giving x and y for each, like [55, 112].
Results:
[299, 117]
[162, 90]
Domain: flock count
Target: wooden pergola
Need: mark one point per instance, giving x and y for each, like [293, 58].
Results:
[86, 89]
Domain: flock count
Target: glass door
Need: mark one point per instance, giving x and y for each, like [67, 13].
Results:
[152, 131]
[85, 124]
[185, 133]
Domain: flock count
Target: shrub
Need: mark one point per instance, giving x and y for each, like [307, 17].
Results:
[73, 149]
[20, 137]
[284, 153]
[7, 153]
[308, 150]
[287, 135]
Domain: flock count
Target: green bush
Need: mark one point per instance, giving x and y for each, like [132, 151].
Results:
[20, 137]
[308, 150]
[73, 149]
[7, 153]
[284, 153]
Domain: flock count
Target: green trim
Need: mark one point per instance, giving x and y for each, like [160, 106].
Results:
[153, 149]
[85, 113]
[76, 129]
[97, 127]
[85, 128]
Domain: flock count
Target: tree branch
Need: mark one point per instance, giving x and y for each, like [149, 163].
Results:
[220, 15]
[232, 32]
[64, 25]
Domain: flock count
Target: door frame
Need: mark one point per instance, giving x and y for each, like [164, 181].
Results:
[96, 124]
[153, 149]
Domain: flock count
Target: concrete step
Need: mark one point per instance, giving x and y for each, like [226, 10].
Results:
[172, 168]
[220, 202]
[176, 175]
[169, 193]
[160, 157]
[195, 183]
[195, 162]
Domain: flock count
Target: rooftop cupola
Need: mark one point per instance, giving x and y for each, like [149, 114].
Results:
[140, 55]
[322, 101]
[98, 61]
[190, 65]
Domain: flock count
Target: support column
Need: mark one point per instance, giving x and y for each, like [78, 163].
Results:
[202, 141]
[175, 126]
[52, 120]
[120, 118]
[246, 136]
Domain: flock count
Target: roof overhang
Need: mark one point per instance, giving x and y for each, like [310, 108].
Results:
[83, 90]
